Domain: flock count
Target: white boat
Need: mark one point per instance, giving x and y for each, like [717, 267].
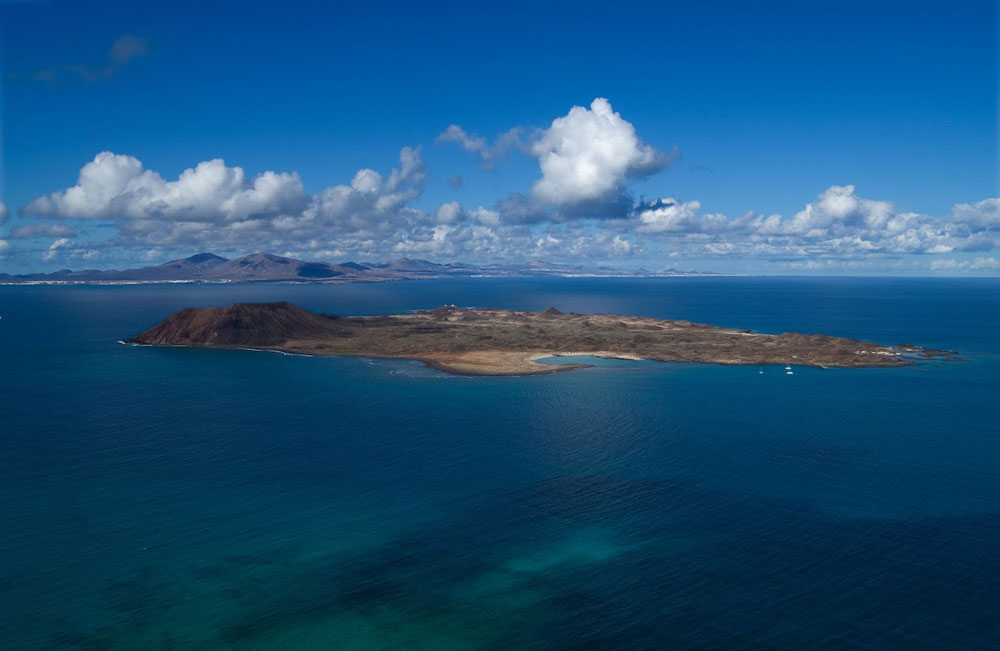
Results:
[789, 373]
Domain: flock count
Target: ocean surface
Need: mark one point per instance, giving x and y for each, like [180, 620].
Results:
[204, 499]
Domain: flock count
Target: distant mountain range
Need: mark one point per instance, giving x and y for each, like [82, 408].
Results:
[267, 267]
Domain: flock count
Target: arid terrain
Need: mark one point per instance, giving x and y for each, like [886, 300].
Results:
[267, 267]
[482, 341]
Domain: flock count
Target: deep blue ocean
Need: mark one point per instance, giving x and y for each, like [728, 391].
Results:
[179, 498]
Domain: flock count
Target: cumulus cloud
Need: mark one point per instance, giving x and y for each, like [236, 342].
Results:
[983, 214]
[377, 214]
[369, 206]
[588, 154]
[839, 207]
[218, 207]
[838, 225]
[4, 248]
[367, 181]
[669, 215]
[485, 216]
[585, 159]
[114, 186]
[448, 213]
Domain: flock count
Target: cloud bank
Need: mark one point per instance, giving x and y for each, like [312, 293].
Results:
[577, 207]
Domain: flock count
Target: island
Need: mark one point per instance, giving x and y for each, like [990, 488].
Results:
[487, 341]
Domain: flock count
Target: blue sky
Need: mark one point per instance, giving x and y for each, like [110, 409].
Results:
[870, 131]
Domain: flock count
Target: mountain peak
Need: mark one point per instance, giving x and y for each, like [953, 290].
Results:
[199, 258]
[263, 266]
[262, 255]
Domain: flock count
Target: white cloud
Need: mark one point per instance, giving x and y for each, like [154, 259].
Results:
[53, 249]
[580, 246]
[212, 206]
[839, 225]
[4, 213]
[4, 247]
[669, 215]
[585, 158]
[368, 207]
[448, 213]
[840, 206]
[983, 214]
[620, 246]
[367, 180]
[486, 216]
[588, 154]
[116, 186]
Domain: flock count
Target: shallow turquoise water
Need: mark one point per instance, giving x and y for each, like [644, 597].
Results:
[173, 498]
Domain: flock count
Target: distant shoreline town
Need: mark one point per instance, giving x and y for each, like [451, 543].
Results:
[267, 267]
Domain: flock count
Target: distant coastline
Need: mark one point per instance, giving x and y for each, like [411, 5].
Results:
[267, 267]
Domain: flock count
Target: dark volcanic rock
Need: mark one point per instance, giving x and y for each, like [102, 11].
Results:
[249, 325]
